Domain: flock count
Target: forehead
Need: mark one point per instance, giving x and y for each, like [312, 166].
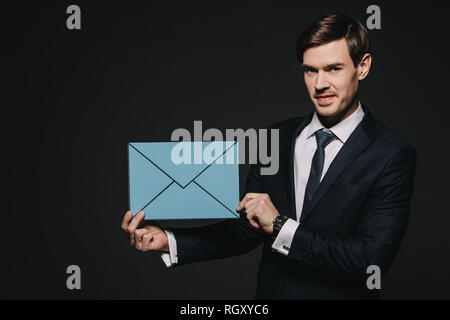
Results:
[328, 53]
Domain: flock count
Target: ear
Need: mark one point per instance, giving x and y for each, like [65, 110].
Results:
[364, 66]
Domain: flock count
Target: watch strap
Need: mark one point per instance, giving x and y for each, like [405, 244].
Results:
[278, 223]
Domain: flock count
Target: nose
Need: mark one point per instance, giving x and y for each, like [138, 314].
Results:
[321, 82]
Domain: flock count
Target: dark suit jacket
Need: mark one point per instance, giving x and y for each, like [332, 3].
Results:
[356, 219]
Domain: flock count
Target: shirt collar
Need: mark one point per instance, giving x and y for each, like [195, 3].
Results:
[341, 130]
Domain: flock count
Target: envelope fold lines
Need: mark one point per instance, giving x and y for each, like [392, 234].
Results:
[215, 198]
[168, 190]
[156, 165]
[209, 165]
[158, 195]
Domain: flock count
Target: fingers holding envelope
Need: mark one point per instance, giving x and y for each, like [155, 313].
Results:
[155, 239]
[260, 210]
[144, 237]
[126, 220]
[130, 227]
[250, 205]
[138, 238]
[243, 205]
[147, 242]
[247, 197]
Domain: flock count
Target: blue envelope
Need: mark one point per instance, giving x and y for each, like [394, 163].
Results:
[184, 180]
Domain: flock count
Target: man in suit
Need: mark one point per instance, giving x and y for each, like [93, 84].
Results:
[340, 200]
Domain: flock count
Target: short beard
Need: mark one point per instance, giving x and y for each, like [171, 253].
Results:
[329, 121]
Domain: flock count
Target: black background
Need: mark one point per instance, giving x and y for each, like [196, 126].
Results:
[137, 71]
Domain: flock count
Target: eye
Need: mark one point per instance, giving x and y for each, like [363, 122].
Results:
[335, 69]
[310, 71]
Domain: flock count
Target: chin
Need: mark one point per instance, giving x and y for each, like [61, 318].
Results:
[326, 111]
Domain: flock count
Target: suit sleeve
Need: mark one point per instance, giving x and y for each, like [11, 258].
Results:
[224, 239]
[379, 233]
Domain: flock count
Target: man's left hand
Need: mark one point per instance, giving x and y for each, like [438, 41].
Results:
[260, 210]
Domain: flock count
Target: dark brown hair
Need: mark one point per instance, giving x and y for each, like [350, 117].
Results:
[334, 27]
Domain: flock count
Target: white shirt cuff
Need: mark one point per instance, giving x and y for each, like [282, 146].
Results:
[284, 239]
[170, 258]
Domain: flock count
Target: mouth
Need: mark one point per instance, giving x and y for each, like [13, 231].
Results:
[325, 99]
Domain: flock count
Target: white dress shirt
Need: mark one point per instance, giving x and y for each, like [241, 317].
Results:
[170, 258]
[305, 147]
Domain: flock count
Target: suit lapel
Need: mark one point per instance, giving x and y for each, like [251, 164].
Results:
[355, 144]
[294, 134]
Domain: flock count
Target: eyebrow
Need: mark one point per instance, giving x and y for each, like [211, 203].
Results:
[328, 66]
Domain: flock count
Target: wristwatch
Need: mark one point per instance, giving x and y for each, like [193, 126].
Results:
[278, 223]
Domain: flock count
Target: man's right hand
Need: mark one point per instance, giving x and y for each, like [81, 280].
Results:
[144, 238]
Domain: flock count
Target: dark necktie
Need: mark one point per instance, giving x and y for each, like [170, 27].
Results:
[323, 139]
